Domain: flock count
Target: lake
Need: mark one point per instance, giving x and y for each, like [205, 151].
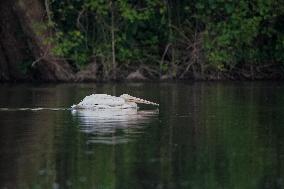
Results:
[205, 135]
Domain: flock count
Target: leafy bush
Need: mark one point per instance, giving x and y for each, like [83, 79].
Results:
[171, 36]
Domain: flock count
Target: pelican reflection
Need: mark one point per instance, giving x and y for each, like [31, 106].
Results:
[113, 126]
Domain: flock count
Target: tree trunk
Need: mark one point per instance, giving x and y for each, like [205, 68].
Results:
[113, 41]
[4, 71]
[24, 53]
[13, 47]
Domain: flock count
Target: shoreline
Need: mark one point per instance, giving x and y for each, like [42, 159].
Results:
[143, 81]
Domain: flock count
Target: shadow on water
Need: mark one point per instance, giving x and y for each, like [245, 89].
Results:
[206, 135]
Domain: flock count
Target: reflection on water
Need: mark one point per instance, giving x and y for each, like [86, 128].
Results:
[112, 126]
[206, 135]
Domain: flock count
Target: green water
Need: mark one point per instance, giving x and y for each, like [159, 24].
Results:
[205, 135]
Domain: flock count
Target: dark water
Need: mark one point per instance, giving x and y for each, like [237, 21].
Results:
[205, 135]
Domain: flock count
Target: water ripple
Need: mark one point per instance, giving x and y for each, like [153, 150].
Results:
[32, 109]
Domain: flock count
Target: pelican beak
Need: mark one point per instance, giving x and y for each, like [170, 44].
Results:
[142, 101]
[137, 100]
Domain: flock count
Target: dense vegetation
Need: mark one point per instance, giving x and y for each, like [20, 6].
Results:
[175, 39]
[80, 40]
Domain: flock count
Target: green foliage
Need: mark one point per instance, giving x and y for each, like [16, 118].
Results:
[135, 27]
[232, 33]
[70, 45]
[238, 32]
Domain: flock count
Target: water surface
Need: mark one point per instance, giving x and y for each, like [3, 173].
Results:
[205, 135]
